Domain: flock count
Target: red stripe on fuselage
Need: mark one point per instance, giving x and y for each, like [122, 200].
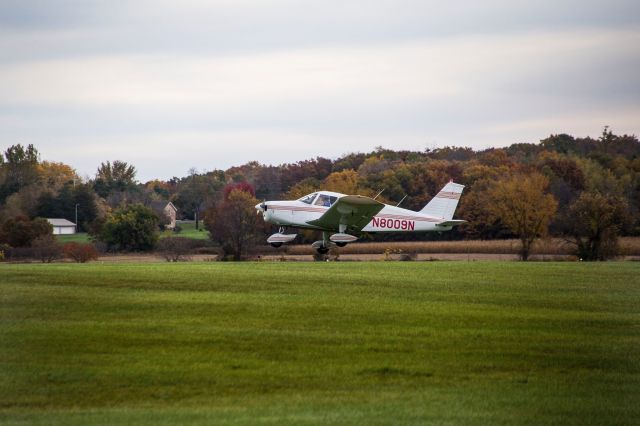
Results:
[298, 208]
[416, 218]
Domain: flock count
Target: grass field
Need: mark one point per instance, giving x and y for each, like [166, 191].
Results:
[80, 237]
[629, 246]
[320, 343]
[188, 230]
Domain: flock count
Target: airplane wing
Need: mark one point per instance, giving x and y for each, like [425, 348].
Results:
[453, 222]
[354, 211]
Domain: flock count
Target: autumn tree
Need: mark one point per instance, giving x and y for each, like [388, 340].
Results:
[197, 191]
[302, 188]
[594, 221]
[346, 182]
[159, 189]
[522, 204]
[55, 175]
[234, 223]
[22, 231]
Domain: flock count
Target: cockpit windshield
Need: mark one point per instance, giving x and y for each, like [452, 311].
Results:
[325, 200]
[308, 198]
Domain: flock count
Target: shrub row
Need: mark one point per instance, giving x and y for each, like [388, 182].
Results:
[47, 249]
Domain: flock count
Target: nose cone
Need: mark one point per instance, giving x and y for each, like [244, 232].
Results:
[262, 208]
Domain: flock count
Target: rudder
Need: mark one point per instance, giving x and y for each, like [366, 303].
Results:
[444, 204]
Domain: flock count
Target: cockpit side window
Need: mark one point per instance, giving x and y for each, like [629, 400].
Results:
[308, 199]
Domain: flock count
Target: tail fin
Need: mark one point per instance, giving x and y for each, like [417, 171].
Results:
[445, 202]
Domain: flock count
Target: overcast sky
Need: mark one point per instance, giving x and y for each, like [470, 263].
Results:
[170, 85]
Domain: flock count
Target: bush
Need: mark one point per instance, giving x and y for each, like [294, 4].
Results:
[20, 254]
[209, 250]
[133, 227]
[21, 231]
[80, 253]
[46, 248]
[175, 249]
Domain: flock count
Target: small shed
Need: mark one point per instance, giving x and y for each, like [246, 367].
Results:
[166, 209]
[62, 226]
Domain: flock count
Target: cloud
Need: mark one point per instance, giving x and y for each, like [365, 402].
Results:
[420, 69]
[265, 81]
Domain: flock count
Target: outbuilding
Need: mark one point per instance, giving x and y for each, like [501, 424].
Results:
[62, 226]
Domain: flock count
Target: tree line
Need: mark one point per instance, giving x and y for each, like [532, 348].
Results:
[586, 190]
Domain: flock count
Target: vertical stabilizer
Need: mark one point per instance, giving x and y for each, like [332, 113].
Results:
[444, 204]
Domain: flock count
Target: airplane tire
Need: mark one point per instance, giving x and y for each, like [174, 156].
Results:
[276, 245]
[341, 244]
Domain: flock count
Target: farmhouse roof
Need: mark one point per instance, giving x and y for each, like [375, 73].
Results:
[161, 205]
[60, 222]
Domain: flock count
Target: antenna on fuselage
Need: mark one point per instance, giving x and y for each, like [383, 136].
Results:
[378, 194]
[399, 202]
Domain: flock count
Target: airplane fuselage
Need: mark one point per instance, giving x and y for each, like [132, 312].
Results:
[297, 214]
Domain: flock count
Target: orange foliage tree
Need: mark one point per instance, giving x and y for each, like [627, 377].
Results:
[522, 204]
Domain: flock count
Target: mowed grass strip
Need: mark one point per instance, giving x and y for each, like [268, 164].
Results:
[320, 343]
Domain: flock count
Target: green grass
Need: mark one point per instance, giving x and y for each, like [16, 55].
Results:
[320, 343]
[189, 231]
[80, 237]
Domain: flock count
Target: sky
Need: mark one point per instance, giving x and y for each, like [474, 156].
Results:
[208, 84]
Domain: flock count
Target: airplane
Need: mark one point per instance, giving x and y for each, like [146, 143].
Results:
[339, 216]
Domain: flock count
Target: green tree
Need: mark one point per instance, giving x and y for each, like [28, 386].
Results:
[130, 228]
[63, 204]
[116, 177]
[18, 169]
[520, 201]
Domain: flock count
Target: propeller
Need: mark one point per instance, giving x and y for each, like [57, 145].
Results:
[261, 207]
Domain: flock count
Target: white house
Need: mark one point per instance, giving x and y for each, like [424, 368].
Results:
[62, 226]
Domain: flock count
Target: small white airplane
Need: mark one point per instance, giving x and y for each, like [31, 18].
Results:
[339, 216]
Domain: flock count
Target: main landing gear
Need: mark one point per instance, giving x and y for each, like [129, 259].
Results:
[279, 238]
[328, 242]
[322, 246]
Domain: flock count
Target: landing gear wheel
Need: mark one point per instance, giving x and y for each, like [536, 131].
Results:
[276, 245]
[341, 244]
[322, 250]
